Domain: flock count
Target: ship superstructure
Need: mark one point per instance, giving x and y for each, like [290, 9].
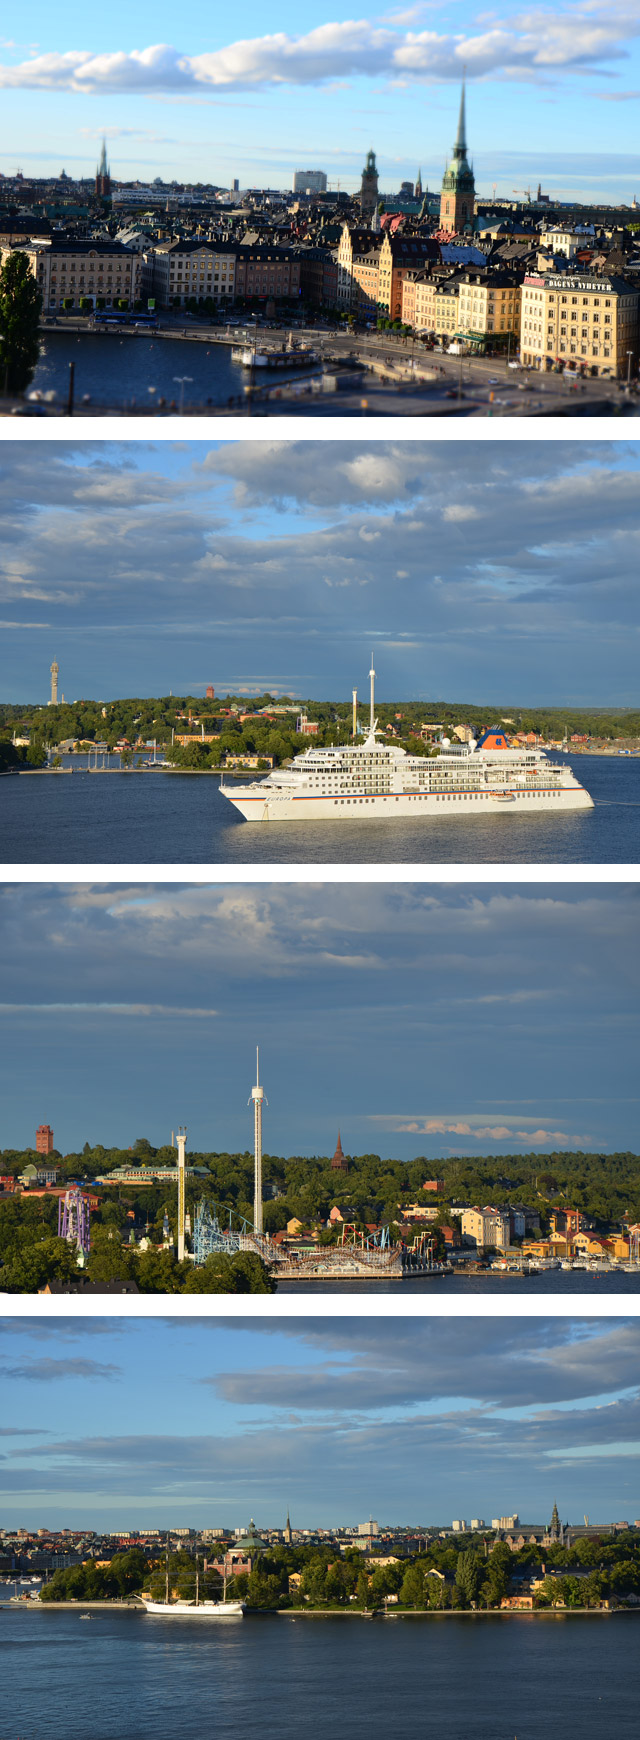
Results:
[378, 779]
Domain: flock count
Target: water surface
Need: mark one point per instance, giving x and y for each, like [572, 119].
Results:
[156, 817]
[127, 1677]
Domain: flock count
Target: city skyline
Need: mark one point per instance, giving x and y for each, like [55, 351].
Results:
[279, 565]
[419, 1021]
[199, 103]
[332, 1421]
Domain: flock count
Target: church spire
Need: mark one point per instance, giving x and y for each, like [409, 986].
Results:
[460, 147]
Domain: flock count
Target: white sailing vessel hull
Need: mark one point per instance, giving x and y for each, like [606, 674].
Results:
[381, 781]
[264, 805]
[188, 1610]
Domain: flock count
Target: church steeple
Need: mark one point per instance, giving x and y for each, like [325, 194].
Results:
[339, 1162]
[457, 200]
[460, 147]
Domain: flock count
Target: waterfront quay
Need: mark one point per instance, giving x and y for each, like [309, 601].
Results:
[187, 369]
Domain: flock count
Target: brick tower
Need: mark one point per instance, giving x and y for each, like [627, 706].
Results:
[457, 199]
[339, 1162]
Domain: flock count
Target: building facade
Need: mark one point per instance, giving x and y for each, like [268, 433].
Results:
[358, 271]
[267, 273]
[176, 272]
[309, 181]
[585, 322]
[400, 255]
[70, 274]
[489, 308]
[487, 1226]
[44, 1139]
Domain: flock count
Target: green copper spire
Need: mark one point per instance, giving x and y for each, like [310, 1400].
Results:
[460, 147]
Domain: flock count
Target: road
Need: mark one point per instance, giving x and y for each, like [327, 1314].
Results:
[464, 386]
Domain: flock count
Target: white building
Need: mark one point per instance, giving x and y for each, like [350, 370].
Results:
[487, 1226]
[309, 181]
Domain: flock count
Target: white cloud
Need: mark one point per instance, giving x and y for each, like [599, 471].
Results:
[533, 45]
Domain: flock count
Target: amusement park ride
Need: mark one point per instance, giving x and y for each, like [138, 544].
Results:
[221, 1229]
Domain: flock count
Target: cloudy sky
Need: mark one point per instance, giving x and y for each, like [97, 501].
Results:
[478, 571]
[552, 92]
[418, 1020]
[409, 1421]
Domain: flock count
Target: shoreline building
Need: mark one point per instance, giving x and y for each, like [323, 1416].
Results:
[457, 200]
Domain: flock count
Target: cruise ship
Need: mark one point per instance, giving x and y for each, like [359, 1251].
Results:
[379, 780]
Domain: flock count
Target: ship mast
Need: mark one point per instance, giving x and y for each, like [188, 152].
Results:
[372, 677]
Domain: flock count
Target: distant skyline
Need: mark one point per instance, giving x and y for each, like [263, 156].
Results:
[196, 1422]
[551, 94]
[418, 1019]
[487, 572]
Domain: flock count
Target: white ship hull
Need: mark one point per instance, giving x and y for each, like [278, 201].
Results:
[188, 1609]
[265, 805]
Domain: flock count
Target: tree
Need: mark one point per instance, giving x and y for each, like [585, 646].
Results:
[20, 309]
[50, 1259]
[243, 1273]
[412, 1592]
[108, 1261]
[468, 1575]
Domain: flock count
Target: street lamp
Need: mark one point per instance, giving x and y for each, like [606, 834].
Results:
[629, 356]
[180, 380]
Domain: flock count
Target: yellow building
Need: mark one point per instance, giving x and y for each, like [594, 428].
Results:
[400, 255]
[489, 307]
[431, 305]
[177, 271]
[584, 322]
[358, 271]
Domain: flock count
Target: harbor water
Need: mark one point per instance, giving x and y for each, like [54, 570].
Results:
[153, 817]
[592, 1284]
[445, 1677]
[145, 368]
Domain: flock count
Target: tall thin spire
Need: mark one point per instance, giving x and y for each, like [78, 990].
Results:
[460, 147]
[257, 1095]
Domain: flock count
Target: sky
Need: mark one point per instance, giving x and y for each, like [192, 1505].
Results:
[418, 1020]
[477, 571]
[408, 1421]
[553, 93]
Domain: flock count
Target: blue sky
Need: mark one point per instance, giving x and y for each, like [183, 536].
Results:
[409, 1421]
[553, 92]
[419, 1020]
[478, 571]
